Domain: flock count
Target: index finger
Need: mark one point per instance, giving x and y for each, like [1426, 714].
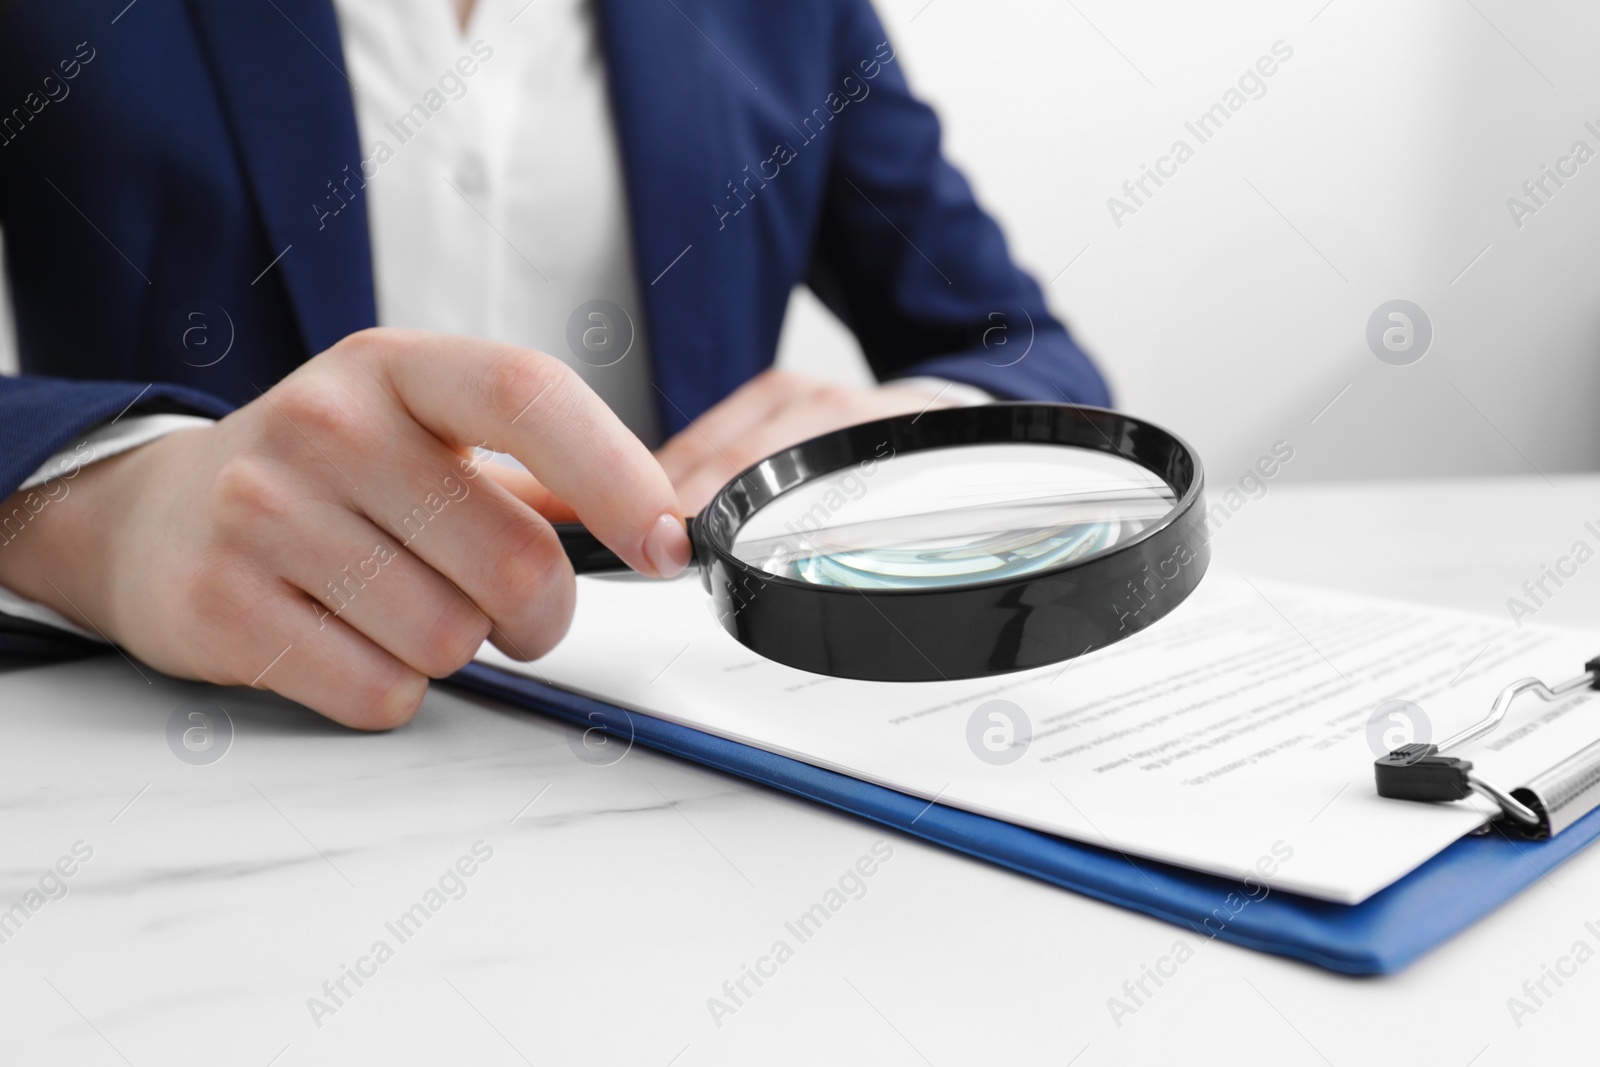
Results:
[467, 391]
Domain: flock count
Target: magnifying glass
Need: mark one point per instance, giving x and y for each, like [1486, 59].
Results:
[958, 543]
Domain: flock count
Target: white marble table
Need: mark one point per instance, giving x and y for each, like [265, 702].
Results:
[219, 898]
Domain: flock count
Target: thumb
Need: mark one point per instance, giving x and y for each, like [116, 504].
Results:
[532, 492]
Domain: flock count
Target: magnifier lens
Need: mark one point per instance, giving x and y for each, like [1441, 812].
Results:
[953, 516]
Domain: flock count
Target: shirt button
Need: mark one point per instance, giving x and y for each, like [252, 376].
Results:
[472, 176]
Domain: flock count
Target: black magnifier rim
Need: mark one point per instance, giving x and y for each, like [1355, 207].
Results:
[958, 631]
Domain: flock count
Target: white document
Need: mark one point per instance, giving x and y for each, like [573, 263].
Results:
[1230, 737]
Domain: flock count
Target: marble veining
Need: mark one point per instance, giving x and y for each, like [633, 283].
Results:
[222, 899]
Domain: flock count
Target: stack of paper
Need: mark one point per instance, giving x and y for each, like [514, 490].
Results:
[1236, 736]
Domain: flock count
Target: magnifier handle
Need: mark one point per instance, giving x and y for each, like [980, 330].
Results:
[586, 553]
[584, 549]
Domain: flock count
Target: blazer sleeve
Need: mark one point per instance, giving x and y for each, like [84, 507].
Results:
[908, 260]
[39, 416]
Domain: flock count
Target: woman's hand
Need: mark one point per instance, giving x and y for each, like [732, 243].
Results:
[333, 540]
[768, 413]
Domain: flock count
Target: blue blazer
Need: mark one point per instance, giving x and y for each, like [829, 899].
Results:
[174, 157]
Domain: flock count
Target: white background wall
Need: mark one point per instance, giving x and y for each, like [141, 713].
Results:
[1390, 142]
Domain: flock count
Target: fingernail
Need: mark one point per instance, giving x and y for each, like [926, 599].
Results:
[667, 546]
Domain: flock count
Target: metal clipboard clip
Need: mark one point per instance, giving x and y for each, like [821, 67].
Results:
[1548, 804]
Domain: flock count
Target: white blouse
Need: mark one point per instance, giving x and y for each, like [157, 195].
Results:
[493, 184]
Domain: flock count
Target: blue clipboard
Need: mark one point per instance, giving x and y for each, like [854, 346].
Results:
[1381, 935]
